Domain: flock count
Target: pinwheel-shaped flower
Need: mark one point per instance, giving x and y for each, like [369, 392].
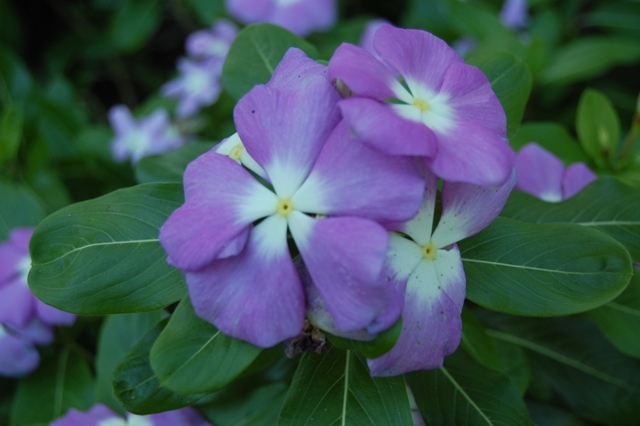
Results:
[100, 415]
[426, 264]
[212, 43]
[543, 175]
[441, 108]
[327, 190]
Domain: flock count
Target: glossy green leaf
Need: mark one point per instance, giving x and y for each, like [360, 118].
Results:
[543, 269]
[616, 15]
[549, 415]
[11, 122]
[336, 388]
[551, 136]
[372, 348]
[190, 345]
[207, 10]
[598, 127]
[514, 364]
[476, 341]
[118, 335]
[585, 372]
[19, 208]
[137, 386]
[170, 167]
[59, 383]
[254, 55]
[135, 23]
[606, 205]
[464, 392]
[103, 256]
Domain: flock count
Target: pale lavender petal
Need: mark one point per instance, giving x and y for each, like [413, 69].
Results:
[362, 73]
[303, 17]
[345, 258]
[294, 68]
[53, 316]
[471, 153]
[10, 257]
[36, 331]
[17, 304]
[93, 417]
[514, 14]
[20, 238]
[467, 209]
[432, 327]
[366, 39]
[351, 179]
[539, 173]
[222, 200]
[284, 130]
[121, 120]
[255, 296]
[378, 126]
[576, 177]
[214, 42]
[250, 11]
[416, 55]
[18, 356]
[183, 417]
[420, 227]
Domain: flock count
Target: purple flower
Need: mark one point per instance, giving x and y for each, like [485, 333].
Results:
[18, 306]
[366, 40]
[230, 236]
[100, 415]
[544, 176]
[301, 17]
[197, 86]
[425, 264]
[150, 135]
[443, 110]
[514, 14]
[18, 355]
[213, 43]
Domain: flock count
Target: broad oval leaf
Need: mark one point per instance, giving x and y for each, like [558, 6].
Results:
[543, 269]
[336, 388]
[598, 127]
[103, 256]
[464, 392]
[190, 345]
[254, 55]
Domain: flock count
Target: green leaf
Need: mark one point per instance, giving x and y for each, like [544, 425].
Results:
[59, 384]
[543, 269]
[170, 167]
[586, 373]
[616, 15]
[336, 388]
[606, 205]
[118, 335]
[476, 341]
[207, 10]
[619, 320]
[551, 136]
[514, 364]
[511, 81]
[464, 392]
[134, 24]
[548, 415]
[254, 55]
[17, 81]
[190, 345]
[19, 208]
[11, 123]
[103, 256]
[598, 127]
[137, 386]
[372, 348]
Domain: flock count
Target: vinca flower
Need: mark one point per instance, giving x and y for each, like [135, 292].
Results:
[543, 175]
[326, 189]
[301, 17]
[514, 14]
[212, 43]
[18, 355]
[101, 415]
[150, 135]
[425, 264]
[440, 109]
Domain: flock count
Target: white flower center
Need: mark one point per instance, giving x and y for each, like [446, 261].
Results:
[424, 106]
[284, 207]
[429, 251]
[197, 81]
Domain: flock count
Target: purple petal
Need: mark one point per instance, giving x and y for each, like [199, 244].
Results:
[20, 238]
[576, 177]
[99, 413]
[378, 126]
[350, 179]
[17, 304]
[53, 316]
[362, 73]
[467, 209]
[121, 120]
[539, 173]
[284, 130]
[366, 39]
[255, 296]
[36, 331]
[471, 153]
[432, 327]
[10, 259]
[514, 14]
[183, 417]
[18, 356]
[250, 11]
[344, 257]
[294, 68]
[415, 54]
[303, 17]
[222, 199]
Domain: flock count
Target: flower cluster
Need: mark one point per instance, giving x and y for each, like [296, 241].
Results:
[350, 185]
[25, 321]
[100, 415]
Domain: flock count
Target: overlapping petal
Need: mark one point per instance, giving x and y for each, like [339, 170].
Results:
[234, 148]
[17, 304]
[256, 295]
[294, 68]
[539, 173]
[420, 227]
[17, 356]
[576, 177]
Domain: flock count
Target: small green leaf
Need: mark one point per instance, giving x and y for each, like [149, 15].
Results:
[207, 10]
[11, 122]
[476, 341]
[103, 256]
[543, 269]
[598, 127]
[372, 348]
[336, 388]
[135, 23]
[19, 208]
[254, 55]
[190, 345]
[170, 167]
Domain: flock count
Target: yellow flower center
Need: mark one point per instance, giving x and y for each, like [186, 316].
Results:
[236, 152]
[429, 251]
[285, 207]
[421, 105]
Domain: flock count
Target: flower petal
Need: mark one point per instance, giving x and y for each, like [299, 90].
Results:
[467, 209]
[97, 415]
[249, 11]
[576, 177]
[432, 327]
[303, 17]
[184, 417]
[284, 130]
[255, 296]
[230, 147]
[53, 316]
[17, 356]
[420, 227]
[16, 304]
[383, 129]
[345, 258]
[295, 67]
[539, 173]
[351, 179]
[222, 199]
